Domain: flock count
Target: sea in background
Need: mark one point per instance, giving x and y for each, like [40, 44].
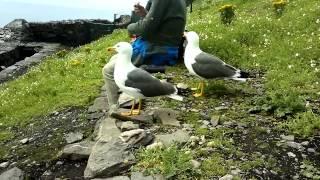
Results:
[42, 11]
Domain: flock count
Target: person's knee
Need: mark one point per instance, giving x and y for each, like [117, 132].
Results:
[108, 70]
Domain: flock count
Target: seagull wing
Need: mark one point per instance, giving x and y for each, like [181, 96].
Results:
[209, 66]
[148, 85]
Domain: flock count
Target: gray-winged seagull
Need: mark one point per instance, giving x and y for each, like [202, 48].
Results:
[207, 66]
[137, 82]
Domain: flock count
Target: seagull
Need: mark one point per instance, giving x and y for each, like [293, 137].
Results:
[137, 82]
[207, 66]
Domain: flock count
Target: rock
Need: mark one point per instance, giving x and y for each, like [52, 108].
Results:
[167, 116]
[305, 143]
[78, 151]
[73, 137]
[4, 165]
[107, 130]
[142, 118]
[125, 101]
[182, 86]
[168, 139]
[114, 178]
[226, 177]
[137, 137]
[100, 105]
[155, 145]
[94, 116]
[294, 145]
[12, 174]
[108, 159]
[215, 120]
[128, 125]
[291, 154]
[140, 176]
[206, 123]
[24, 141]
[311, 150]
[195, 164]
[287, 138]
[235, 172]
[221, 108]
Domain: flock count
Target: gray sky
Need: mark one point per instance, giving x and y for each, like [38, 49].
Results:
[41, 10]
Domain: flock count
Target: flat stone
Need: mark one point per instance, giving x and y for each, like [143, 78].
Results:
[140, 176]
[143, 118]
[4, 165]
[195, 164]
[287, 138]
[73, 137]
[78, 151]
[291, 154]
[108, 130]
[12, 174]
[311, 150]
[221, 108]
[179, 136]
[114, 178]
[167, 117]
[226, 177]
[24, 141]
[128, 125]
[108, 159]
[100, 105]
[125, 101]
[182, 86]
[96, 115]
[305, 143]
[137, 137]
[294, 145]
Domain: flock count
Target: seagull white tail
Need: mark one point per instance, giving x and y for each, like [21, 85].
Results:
[175, 97]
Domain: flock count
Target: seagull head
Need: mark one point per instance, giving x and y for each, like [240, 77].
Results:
[192, 38]
[122, 48]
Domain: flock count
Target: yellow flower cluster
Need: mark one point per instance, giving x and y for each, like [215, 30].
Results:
[227, 7]
[279, 3]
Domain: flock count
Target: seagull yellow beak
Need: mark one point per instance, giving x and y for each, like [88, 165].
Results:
[111, 49]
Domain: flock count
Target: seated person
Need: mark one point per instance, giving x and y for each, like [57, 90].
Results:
[158, 36]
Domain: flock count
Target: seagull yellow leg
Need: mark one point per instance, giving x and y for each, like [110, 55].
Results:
[201, 84]
[137, 111]
[197, 88]
[131, 110]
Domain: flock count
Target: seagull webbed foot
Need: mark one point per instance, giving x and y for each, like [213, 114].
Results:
[129, 113]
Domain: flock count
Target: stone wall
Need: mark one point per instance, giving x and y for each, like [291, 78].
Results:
[72, 33]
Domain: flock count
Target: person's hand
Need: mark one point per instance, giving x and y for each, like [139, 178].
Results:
[140, 10]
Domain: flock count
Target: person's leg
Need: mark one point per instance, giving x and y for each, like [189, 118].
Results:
[111, 86]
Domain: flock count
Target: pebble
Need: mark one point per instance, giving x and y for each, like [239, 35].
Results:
[291, 154]
[205, 123]
[294, 145]
[195, 164]
[287, 138]
[235, 172]
[24, 141]
[4, 165]
[311, 150]
[220, 108]
[226, 177]
[182, 86]
[305, 143]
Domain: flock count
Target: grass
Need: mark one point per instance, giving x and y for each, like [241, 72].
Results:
[170, 162]
[281, 50]
[63, 80]
[306, 124]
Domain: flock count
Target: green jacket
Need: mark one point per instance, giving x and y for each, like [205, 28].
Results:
[164, 23]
